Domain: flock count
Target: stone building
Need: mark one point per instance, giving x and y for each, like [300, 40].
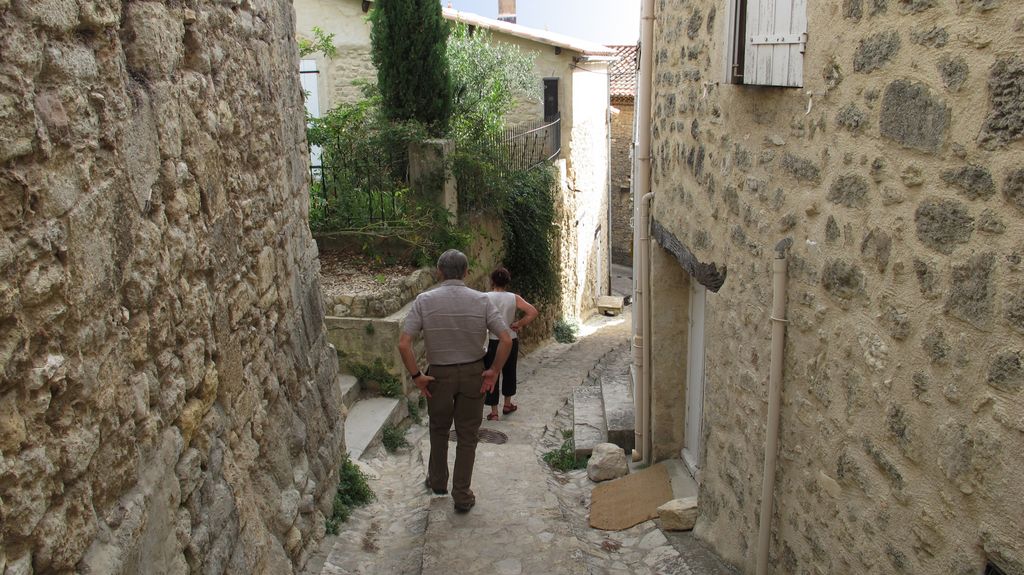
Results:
[885, 139]
[622, 91]
[168, 401]
[572, 79]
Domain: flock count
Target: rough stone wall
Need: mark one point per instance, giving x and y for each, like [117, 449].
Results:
[902, 187]
[587, 171]
[349, 66]
[621, 192]
[168, 400]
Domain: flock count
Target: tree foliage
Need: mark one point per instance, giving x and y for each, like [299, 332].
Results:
[487, 78]
[409, 41]
[321, 42]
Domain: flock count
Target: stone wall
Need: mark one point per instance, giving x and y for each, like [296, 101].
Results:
[168, 400]
[621, 192]
[897, 172]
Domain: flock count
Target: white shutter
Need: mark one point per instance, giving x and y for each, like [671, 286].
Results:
[310, 78]
[774, 44]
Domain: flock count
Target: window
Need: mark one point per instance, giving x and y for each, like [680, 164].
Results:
[550, 99]
[766, 41]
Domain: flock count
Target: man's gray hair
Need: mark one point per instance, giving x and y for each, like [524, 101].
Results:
[453, 265]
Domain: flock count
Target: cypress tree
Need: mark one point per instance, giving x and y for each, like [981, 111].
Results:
[410, 39]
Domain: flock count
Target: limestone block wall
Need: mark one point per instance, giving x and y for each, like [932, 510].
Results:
[167, 395]
[621, 192]
[901, 184]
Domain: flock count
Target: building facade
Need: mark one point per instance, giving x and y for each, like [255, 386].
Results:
[885, 139]
[622, 90]
[572, 77]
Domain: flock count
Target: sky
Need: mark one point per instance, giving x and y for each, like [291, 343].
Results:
[602, 21]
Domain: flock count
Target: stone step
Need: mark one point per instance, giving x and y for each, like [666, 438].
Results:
[617, 398]
[588, 425]
[350, 389]
[367, 419]
[610, 304]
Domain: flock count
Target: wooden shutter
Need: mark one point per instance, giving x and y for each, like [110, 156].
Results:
[310, 78]
[776, 35]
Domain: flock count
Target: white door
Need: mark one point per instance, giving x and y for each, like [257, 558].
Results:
[695, 378]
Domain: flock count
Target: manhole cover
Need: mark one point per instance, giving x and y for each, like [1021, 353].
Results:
[486, 436]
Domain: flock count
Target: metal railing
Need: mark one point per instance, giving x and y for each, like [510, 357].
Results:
[526, 146]
[352, 192]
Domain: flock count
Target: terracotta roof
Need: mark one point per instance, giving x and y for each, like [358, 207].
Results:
[622, 73]
[543, 36]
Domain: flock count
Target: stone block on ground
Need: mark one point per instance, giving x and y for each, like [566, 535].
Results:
[678, 514]
[608, 461]
[588, 425]
[617, 398]
[610, 304]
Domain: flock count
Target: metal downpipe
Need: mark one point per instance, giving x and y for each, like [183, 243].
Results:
[778, 319]
[641, 190]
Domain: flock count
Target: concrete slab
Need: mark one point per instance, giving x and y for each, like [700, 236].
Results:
[588, 425]
[365, 421]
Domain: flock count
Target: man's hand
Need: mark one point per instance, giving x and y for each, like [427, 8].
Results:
[422, 382]
[490, 379]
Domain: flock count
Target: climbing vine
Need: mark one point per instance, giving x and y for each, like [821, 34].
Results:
[531, 235]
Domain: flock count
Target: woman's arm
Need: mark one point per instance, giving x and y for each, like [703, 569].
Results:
[529, 314]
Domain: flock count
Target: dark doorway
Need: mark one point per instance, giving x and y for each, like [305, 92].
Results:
[550, 99]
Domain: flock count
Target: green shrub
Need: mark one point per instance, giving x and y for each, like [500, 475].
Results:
[389, 384]
[413, 88]
[353, 491]
[393, 438]
[566, 331]
[414, 411]
[564, 458]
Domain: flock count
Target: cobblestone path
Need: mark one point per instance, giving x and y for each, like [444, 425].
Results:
[528, 519]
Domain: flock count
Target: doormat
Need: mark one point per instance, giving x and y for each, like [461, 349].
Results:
[622, 503]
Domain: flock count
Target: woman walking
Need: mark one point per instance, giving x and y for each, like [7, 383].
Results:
[507, 304]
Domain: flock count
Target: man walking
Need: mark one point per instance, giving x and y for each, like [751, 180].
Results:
[454, 320]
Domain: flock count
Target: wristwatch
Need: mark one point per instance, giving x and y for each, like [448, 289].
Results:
[415, 375]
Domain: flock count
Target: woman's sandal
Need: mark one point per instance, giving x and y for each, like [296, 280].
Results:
[492, 417]
[507, 409]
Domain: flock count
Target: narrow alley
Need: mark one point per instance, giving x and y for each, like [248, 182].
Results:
[528, 518]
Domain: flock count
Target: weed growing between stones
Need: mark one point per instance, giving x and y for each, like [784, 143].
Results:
[393, 438]
[353, 491]
[415, 409]
[387, 382]
[564, 458]
[566, 330]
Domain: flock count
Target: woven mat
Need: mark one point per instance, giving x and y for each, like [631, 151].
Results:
[622, 503]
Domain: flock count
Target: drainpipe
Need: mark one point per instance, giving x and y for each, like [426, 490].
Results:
[779, 321]
[645, 378]
[641, 190]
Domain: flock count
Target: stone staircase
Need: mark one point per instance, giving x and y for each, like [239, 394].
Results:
[603, 404]
[367, 415]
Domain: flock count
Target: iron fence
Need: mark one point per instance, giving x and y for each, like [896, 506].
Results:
[351, 190]
[526, 146]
